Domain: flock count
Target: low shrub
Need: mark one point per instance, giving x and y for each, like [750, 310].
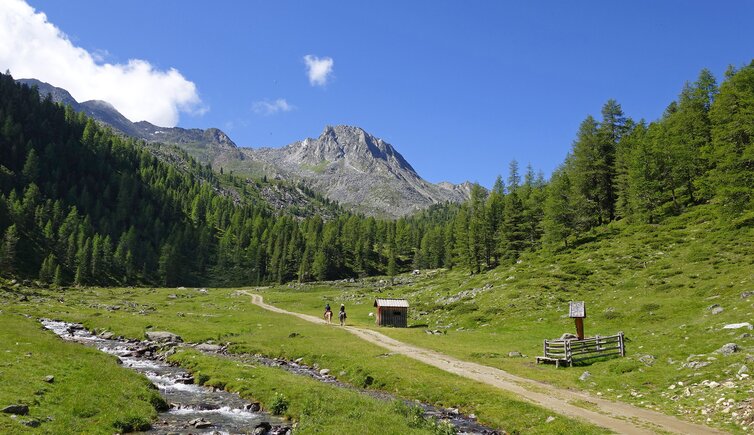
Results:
[279, 405]
[132, 424]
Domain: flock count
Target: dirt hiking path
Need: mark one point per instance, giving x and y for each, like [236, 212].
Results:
[616, 416]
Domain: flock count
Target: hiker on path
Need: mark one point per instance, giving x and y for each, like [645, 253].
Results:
[342, 316]
[328, 313]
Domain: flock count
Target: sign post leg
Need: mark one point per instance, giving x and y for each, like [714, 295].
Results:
[580, 327]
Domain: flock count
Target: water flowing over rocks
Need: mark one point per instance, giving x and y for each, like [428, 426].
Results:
[162, 337]
[193, 408]
[464, 424]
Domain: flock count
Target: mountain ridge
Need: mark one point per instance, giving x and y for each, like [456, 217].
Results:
[344, 163]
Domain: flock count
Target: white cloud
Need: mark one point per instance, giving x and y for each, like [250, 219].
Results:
[271, 107]
[318, 69]
[32, 47]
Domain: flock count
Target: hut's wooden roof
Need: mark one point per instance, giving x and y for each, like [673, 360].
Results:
[391, 303]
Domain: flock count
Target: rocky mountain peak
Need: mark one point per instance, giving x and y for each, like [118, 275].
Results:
[218, 136]
[352, 144]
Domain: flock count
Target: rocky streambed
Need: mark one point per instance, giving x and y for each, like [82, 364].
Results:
[463, 424]
[204, 410]
[193, 408]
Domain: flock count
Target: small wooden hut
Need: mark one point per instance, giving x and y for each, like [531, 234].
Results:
[392, 312]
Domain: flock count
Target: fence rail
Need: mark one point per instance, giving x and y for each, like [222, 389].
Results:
[569, 350]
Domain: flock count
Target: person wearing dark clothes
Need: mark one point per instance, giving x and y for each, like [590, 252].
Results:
[342, 316]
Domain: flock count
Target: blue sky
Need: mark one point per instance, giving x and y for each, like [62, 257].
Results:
[459, 88]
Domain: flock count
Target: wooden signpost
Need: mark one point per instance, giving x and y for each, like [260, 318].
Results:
[577, 311]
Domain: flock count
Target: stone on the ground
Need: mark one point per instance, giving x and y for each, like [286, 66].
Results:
[743, 369]
[715, 309]
[207, 347]
[163, 337]
[550, 419]
[16, 409]
[696, 364]
[746, 325]
[746, 295]
[324, 372]
[584, 376]
[254, 407]
[648, 360]
[728, 349]
[107, 335]
[49, 379]
[31, 423]
[514, 354]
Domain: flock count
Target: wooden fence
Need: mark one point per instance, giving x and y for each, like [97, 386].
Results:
[570, 350]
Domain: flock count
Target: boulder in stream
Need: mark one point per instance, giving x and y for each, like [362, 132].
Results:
[200, 423]
[262, 428]
[207, 347]
[163, 337]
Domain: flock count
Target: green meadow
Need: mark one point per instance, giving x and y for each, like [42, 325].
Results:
[662, 285]
[90, 393]
[226, 316]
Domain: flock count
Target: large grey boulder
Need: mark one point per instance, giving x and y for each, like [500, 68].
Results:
[163, 337]
[728, 349]
[746, 325]
[207, 347]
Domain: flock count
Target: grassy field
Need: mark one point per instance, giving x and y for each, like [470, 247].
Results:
[659, 284]
[223, 315]
[662, 285]
[90, 393]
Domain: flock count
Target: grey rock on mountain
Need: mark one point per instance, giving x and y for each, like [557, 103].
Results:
[345, 164]
[353, 167]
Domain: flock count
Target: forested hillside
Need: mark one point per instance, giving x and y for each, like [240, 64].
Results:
[700, 151]
[79, 204]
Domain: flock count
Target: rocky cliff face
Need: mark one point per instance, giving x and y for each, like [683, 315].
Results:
[353, 167]
[345, 164]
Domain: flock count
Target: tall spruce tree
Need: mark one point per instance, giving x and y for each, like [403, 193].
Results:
[732, 116]
[559, 222]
